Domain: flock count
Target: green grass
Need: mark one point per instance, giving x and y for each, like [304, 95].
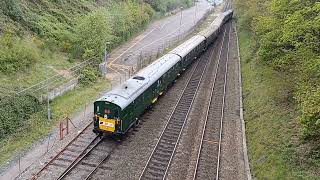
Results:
[65, 105]
[37, 73]
[273, 131]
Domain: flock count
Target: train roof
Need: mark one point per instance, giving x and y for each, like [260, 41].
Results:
[209, 31]
[218, 21]
[225, 13]
[183, 49]
[125, 93]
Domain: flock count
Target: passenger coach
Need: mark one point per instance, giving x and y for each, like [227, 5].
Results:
[119, 109]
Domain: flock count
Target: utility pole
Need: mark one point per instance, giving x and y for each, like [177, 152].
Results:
[180, 23]
[48, 101]
[105, 60]
[105, 68]
[195, 12]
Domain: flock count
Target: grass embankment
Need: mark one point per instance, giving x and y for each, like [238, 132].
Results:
[276, 149]
[65, 105]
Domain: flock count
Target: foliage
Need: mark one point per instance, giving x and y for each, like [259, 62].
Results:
[127, 19]
[88, 75]
[92, 32]
[168, 5]
[15, 112]
[288, 36]
[105, 28]
[17, 54]
[308, 98]
[279, 41]
[12, 9]
[272, 128]
[79, 28]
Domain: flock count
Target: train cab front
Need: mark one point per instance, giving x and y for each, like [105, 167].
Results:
[106, 118]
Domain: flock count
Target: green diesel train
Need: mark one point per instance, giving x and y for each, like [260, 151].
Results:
[119, 109]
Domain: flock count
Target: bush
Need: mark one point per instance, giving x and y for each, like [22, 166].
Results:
[15, 112]
[88, 75]
[106, 28]
[17, 54]
[309, 105]
[168, 5]
[11, 8]
[92, 32]
[288, 36]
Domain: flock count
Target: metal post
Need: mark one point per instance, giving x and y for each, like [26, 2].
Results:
[61, 131]
[195, 12]
[19, 165]
[84, 112]
[105, 60]
[48, 101]
[180, 23]
[48, 143]
[105, 68]
[67, 125]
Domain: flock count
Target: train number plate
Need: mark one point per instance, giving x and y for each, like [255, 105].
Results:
[107, 124]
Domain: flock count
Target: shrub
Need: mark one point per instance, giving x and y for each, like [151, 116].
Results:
[15, 112]
[168, 5]
[88, 75]
[17, 54]
[309, 105]
[105, 28]
[12, 9]
[92, 32]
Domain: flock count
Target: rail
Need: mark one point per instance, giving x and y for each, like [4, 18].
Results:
[210, 144]
[161, 156]
[61, 152]
[91, 160]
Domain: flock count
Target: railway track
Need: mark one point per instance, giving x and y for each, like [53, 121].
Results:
[161, 156]
[208, 157]
[84, 167]
[71, 152]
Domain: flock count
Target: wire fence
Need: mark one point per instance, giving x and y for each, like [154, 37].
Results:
[55, 85]
[149, 53]
[58, 84]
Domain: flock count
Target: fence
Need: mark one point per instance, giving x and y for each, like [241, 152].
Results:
[150, 52]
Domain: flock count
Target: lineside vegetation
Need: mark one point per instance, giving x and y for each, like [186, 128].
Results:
[281, 66]
[168, 5]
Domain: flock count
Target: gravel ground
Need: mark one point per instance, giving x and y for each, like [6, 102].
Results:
[131, 156]
[232, 160]
[183, 164]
